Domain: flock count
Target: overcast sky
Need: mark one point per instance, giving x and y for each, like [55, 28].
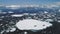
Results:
[9, 2]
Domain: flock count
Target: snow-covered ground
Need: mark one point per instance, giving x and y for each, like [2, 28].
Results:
[17, 15]
[31, 24]
[10, 12]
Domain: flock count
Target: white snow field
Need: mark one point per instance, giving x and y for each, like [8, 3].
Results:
[31, 24]
[17, 15]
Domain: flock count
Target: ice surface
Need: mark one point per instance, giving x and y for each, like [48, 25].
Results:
[12, 29]
[17, 15]
[10, 12]
[31, 24]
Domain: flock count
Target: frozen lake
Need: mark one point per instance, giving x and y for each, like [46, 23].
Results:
[31, 24]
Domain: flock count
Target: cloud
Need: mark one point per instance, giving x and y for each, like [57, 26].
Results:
[12, 6]
[49, 5]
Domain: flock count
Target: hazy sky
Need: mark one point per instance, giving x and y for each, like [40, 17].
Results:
[8, 2]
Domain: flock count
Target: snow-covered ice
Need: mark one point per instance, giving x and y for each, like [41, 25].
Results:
[12, 29]
[58, 20]
[17, 15]
[10, 12]
[31, 24]
[45, 12]
[49, 20]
